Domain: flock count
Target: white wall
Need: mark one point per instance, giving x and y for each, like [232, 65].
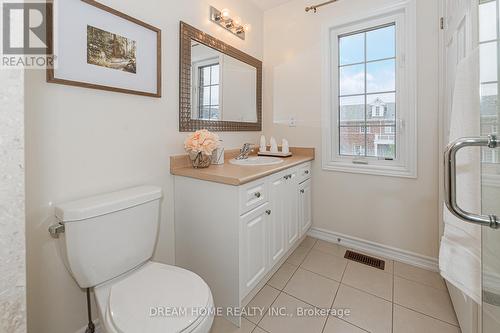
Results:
[81, 142]
[12, 238]
[397, 212]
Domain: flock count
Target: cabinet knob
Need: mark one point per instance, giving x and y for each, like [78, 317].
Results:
[306, 172]
[268, 212]
[257, 194]
[302, 191]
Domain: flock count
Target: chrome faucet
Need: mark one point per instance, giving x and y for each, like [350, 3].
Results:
[245, 151]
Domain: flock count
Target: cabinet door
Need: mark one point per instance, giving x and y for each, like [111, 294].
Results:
[253, 248]
[276, 226]
[305, 218]
[291, 208]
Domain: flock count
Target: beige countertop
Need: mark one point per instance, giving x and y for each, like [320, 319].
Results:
[231, 174]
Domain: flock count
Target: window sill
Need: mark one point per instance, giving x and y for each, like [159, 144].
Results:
[400, 171]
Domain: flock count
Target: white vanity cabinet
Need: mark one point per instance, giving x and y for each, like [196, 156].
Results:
[236, 237]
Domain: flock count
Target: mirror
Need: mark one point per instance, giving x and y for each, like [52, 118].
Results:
[220, 85]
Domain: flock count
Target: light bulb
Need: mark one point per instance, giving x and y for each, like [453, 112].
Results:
[247, 27]
[237, 21]
[225, 14]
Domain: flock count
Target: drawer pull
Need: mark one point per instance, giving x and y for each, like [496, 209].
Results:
[302, 191]
[268, 212]
[306, 172]
[257, 194]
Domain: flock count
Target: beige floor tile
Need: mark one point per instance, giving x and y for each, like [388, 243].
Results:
[282, 275]
[408, 321]
[308, 242]
[291, 322]
[312, 288]
[335, 325]
[330, 248]
[325, 264]
[366, 311]
[369, 279]
[261, 303]
[424, 299]
[258, 330]
[419, 275]
[222, 325]
[297, 256]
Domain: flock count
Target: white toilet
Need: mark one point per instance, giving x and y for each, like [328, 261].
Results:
[108, 241]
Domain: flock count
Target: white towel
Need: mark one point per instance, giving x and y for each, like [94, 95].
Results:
[460, 251]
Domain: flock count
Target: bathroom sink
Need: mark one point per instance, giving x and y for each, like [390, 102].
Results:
[257, 161]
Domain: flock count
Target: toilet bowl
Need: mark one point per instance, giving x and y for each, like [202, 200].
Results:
[155, 298]
[107, 242]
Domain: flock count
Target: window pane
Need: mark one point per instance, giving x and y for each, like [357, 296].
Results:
[381, 76]
[215, 74]
[488, 62]
[214, 95]
[489, 105]
[381, 109]
[381, 142]
[381, 43]
[214, 113]
[352, 80]
[205, 96]
[352, 49]
[352, 141]
[487, 21]
[352, 110]
[205, 113]
[205, 76]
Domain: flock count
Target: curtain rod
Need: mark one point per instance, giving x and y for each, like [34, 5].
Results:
[315, 7]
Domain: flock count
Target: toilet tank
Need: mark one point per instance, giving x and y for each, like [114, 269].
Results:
[109, 234]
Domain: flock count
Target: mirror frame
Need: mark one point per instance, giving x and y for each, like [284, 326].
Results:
[186, 123]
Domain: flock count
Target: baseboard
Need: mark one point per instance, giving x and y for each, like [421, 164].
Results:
[97, 327]
[376, 249]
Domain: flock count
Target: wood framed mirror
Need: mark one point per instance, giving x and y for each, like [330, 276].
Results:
[220, 87]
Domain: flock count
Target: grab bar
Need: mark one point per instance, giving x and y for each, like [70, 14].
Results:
[450, 161]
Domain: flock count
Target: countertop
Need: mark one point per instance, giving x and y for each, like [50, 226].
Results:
[231, 174]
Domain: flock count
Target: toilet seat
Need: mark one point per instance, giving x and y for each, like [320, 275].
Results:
[156, 298]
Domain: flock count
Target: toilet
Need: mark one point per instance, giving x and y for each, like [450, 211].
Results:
[107, 245]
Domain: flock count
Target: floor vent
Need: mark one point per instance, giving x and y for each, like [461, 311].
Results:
[364, 259]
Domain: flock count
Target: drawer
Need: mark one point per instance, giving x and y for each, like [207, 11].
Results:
[304, 172]
[252, 196]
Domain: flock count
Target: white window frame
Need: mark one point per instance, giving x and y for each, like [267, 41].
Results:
[405, 165]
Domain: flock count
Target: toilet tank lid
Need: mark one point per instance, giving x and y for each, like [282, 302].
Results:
[106, 203]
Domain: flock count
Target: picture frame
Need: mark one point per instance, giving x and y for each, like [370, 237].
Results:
[103, 48]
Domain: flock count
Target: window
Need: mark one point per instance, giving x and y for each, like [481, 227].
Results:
[208, 99]
[369, 110]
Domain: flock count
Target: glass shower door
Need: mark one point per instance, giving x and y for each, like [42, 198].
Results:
[490, 161]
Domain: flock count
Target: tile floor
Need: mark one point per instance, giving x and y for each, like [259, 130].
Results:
[400, 299]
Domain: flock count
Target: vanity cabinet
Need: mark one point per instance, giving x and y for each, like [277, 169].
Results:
[254, 228]
[236, 237]
[305, 216]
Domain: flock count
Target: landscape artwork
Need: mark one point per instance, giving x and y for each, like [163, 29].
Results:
[110, 50]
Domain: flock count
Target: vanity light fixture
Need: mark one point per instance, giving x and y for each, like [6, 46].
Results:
[233, 25]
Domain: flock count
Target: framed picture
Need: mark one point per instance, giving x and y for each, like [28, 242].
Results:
[98, 47]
